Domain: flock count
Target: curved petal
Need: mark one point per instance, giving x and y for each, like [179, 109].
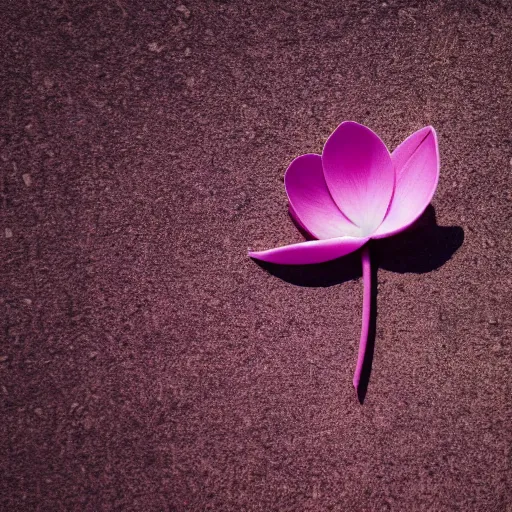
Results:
[359, 174]
[311, 201]
[299, 223]
[314, 251]
[416, 163]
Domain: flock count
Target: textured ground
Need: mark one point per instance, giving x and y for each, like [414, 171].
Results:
[146, 363]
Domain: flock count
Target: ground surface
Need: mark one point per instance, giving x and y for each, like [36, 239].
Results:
[146, 363]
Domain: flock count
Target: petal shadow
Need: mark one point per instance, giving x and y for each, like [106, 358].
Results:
[317, 275]
[424, 247]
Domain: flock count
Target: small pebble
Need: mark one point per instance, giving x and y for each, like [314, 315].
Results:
[154, 47]
[3, 358]
[188, 52]
[183, 9]
[27, 179]
[38, 411]
[8, 233]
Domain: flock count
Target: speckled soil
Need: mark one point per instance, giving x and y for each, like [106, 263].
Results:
[146, 364]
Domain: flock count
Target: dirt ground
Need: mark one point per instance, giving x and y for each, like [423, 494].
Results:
[146, 363]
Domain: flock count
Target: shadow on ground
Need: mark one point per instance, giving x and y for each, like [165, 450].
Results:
[424, 247]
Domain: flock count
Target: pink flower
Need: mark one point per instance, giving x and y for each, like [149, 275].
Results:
[356, 191]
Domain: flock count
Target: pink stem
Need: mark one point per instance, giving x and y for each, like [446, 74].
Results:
[365, 324]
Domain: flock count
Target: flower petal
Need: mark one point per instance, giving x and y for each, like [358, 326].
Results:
[314, 251]
[311, 201]
[416, 163]
[359, 174]
[299, 223]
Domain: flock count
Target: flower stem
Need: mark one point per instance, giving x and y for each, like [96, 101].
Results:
[365, 324]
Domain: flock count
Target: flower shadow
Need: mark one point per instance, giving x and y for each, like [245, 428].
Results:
[424, 247]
